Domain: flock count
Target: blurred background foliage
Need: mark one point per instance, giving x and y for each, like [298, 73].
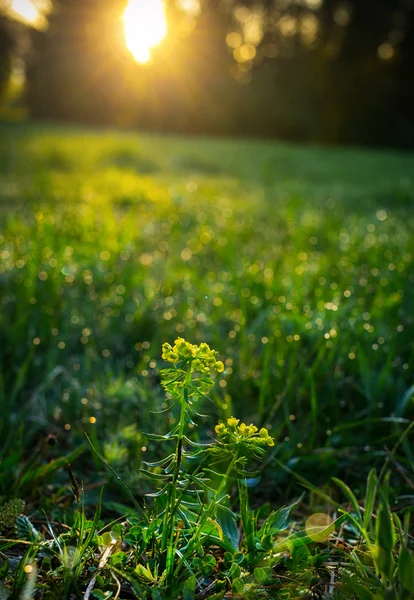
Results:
[335, 71]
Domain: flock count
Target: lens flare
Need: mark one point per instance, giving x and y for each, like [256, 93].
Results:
[145, 26]
[316, 527]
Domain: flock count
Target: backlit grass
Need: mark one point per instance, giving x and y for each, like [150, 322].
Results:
[295, 264]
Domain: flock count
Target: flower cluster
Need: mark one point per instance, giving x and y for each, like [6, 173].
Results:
[201, 358]
[234, 432]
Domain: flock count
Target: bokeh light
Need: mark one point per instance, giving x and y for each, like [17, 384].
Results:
[316, 524]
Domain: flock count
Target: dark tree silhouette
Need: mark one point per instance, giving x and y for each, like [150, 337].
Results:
[7, 45]
[319, 70]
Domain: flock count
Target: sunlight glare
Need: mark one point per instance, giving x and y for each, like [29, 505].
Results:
[145, 27]
[27, 10]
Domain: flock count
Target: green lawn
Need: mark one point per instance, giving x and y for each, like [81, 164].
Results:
[295, 263]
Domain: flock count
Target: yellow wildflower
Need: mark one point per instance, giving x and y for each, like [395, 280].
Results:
[242, 428]
[233, 422]
[220, 429]
[200, 358]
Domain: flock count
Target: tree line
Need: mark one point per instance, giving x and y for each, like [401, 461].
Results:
[333, 71]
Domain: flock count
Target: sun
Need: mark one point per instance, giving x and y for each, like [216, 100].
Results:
[145, 26]
[29, 11]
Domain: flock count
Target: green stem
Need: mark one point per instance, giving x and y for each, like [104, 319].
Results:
[169, 519]
[246, 516]
[209, 511]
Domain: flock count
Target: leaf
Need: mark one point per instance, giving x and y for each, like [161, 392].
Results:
[227, 522]
[184, 517]
[385, 540]
[133, 535]
[160, 463]
[266, 543]
[210, 539]
[404, 401]
[156, 476]
[248, 474]
[385, 529]
[160, 493]
[370, 494]
[207, 470]
[168, 436]
[119, 558]
[144, 573]
[406, 569]
[192, 505]
[235, 571]
[237, 585]
[4, 569]
[262, 574]
[278, 520]
[196, 444]
[25, 530]
[189, 588]
[351, 497]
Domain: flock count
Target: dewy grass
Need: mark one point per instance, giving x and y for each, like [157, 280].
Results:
[297, 264]
[189, 543]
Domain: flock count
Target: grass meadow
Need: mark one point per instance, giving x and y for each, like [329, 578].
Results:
[294, 263]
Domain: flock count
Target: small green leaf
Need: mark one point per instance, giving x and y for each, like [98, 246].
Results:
[25, 530]
[227, 522]
[249, 474]
[239, 558]
[262, 574]
[208, 565]
[209, 559]
[160, 463]
[4, 569]
[189, 588]
[385, 527]
[351, 497]
[163, 491]
[119, 558]
[370, 494]
[235, 571]
[105, 539]
[156, 476]
[406, 569]
[266, 542]
[278, 520]
[144, 573]
[237, 585]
